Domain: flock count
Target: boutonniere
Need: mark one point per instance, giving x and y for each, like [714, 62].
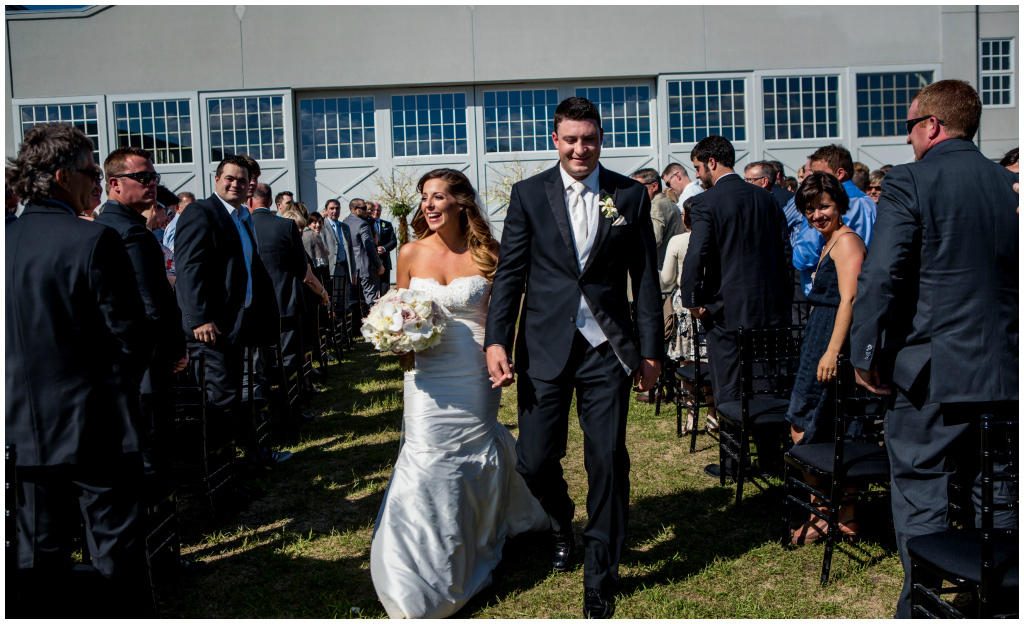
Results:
[608, 208]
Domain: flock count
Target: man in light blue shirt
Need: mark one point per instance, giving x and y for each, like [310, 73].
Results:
[184, 199]
[807, 242]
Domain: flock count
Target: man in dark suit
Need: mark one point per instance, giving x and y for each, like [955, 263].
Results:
[365, 259]
[133, 189]
[384, 232]
[77, 343]
[337, 238]
[779, 191]
[577, 230]
[736, 271]
[222, 290]
[940, 287]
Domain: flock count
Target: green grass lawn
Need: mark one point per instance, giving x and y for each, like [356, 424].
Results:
[303, 550]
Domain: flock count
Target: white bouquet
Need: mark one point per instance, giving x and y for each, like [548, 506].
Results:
[405, 321]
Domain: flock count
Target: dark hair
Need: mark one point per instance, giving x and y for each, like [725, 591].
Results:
[333, 200]
[262, 191]
[45, 150]
[778, 167]
[647, 176]
[277, 198]
[315, 217]
[254, 167]
[1010, 157]
[836, 157]
[352, 204]
[474, 226]
[117, 161]
[860, 180]
[790, 183]
[955, 102]
[817, 183]
[714, 146]
[687, 207]
[237, 160]
[576, 109]
[166, 196]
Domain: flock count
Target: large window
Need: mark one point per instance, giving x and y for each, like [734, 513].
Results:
[253, 126]
[162, 127]
[429, 124]
[801, 107]
[625, 114]
[883, 101]
[81, 115]
[337, 128]
[519, 121]
[699, 108]
[996, 57]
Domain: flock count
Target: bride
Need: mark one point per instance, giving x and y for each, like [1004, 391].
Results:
[454, 495]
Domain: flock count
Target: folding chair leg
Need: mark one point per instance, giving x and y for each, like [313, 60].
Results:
[679, 414]
[741, 468]
[696, 420]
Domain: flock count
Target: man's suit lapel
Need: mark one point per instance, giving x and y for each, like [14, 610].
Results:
[604, 225]
[556, 199]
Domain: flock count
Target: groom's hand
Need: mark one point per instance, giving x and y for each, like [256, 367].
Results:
[646, 375]
[500, 367]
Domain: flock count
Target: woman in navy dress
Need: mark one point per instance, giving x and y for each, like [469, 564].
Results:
[822, 199]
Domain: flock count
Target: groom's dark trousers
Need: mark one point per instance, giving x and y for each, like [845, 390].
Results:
[602, 400]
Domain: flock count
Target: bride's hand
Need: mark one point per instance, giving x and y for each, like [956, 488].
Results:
[500, 367]
[407, 361]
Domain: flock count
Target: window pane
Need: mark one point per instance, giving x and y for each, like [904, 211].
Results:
[622, 109]
[518, 109]
[875, 99]
[996, 66]
[334, 117]
[82, 116]
[432, 124]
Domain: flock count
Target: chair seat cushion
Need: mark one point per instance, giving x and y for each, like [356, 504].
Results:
[763, 412]
[959, 553]
[860, 459]
[686, 373]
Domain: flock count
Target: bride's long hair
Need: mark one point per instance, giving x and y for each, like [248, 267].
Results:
[474, 226]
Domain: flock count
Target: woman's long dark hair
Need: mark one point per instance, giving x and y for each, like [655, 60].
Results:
[472, 223]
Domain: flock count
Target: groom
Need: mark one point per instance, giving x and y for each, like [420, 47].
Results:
[575, 231]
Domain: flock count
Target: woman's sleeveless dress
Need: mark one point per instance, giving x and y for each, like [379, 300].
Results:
[454, 494]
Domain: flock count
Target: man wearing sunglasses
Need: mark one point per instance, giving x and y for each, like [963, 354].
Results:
[133, 190]
[935, 322]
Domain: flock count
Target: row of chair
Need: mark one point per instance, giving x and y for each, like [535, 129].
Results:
[986, 561]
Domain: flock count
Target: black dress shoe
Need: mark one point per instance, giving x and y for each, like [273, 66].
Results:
[561, 556]
[271, 457]
[305, 418]
[712, 470]
[595, 606]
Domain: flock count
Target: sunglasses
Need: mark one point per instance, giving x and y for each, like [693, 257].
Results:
[142, 177]
[95, 174]
[913, 122]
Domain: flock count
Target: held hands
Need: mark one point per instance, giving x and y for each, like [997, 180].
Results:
[871, 381]
[380, 251]
[207, 333]
[500, 367]
[827, 367]
[324, 297]
[646, 376]
[700, 312]
[181, 364]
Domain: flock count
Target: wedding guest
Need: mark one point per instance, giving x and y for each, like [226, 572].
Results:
[184, 199]
[315, 294]
[386, 243]
[860, 176]
[790, 184]
[778, 189]
[77, 343]
[947, 349]
[875, 184]
[682, 344]
[823, 200]
[675, 177]
[1010, 160]
[807, 242]
[665, 217]
[131, 210]
[365, 257]
[283, 201]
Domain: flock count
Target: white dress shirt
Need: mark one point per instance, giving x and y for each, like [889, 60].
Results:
[693, 188]
[585, 320]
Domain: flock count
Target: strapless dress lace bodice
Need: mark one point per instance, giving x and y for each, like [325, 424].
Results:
[462, 296]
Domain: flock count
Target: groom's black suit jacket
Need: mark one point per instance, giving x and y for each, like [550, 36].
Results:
[537, 249]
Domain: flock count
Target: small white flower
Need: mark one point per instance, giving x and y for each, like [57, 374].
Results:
[608, 208]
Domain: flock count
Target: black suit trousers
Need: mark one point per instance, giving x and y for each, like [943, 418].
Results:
[57, 499]
[602, 400]
[928, 448]
[225, 371]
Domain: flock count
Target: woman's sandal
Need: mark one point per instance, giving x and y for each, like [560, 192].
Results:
[809, 533]
[849, 530]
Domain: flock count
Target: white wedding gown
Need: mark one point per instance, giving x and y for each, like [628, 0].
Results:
[454, 494]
